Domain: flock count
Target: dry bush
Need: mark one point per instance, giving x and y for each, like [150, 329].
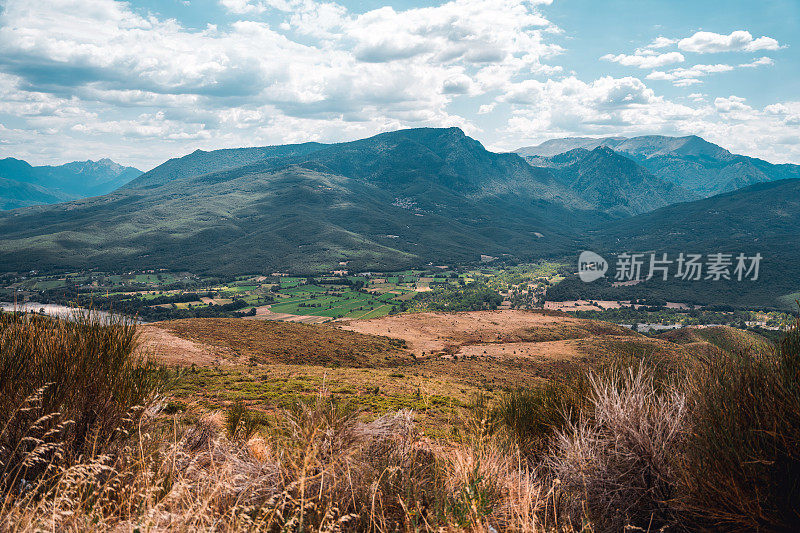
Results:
[619, 469]
[325, 470]
[742, 458]
[379, 473]
[488, 488]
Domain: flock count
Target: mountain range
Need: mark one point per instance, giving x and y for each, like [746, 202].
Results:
[691, 163]
[394, 200]
[612, 182]
[22, 184]
[406, 198]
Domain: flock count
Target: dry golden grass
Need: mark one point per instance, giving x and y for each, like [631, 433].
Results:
[427, 333]
[286, 342]
[312, 428]
[254, 361]
[321, 468]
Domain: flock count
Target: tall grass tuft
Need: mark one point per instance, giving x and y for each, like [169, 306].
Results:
[240, 422]
[742, 457]
[530, 416]
[67, 389]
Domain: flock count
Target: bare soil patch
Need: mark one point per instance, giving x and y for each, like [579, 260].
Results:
[447, 333]
[171, 349]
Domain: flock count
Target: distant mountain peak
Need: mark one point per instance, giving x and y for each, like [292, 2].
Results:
[689, 161]
[70, 181]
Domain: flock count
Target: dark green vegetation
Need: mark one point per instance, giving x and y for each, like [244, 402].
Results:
[763, 219]
[23, 185]
[445, 297]
[66, 389]
[688, 162]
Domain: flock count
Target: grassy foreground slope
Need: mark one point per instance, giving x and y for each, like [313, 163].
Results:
[95, 437]
[434, 363]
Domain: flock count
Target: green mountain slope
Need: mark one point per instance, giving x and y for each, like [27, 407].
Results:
[611, 182]
[394, 200]
[762, 218]
[14, 194]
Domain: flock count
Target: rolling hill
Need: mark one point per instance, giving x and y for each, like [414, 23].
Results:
[26, 185]
[691, 162]
[762, 218]
[14, 194]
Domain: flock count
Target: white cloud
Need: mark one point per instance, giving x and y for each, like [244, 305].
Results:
[383, 69]
[89, 78]
[605, 106]
[645, 59]
[706, 42]
[682, 77]
[662, 42]
[760, 62]
[731, 104]
[243, 6]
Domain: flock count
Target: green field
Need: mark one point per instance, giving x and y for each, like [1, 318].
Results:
[368, 295]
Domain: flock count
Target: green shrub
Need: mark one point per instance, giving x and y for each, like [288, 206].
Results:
[240, 422]
[742, 458]
[530, 416]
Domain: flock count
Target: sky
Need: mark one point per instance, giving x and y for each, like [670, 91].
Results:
[146, 80]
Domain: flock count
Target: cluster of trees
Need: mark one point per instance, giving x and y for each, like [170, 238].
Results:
[445, 297]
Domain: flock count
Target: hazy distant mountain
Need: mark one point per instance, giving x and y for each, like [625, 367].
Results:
[397, 199]
[14, 194]
[611, 182]
[30, 185]
[689, 162]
